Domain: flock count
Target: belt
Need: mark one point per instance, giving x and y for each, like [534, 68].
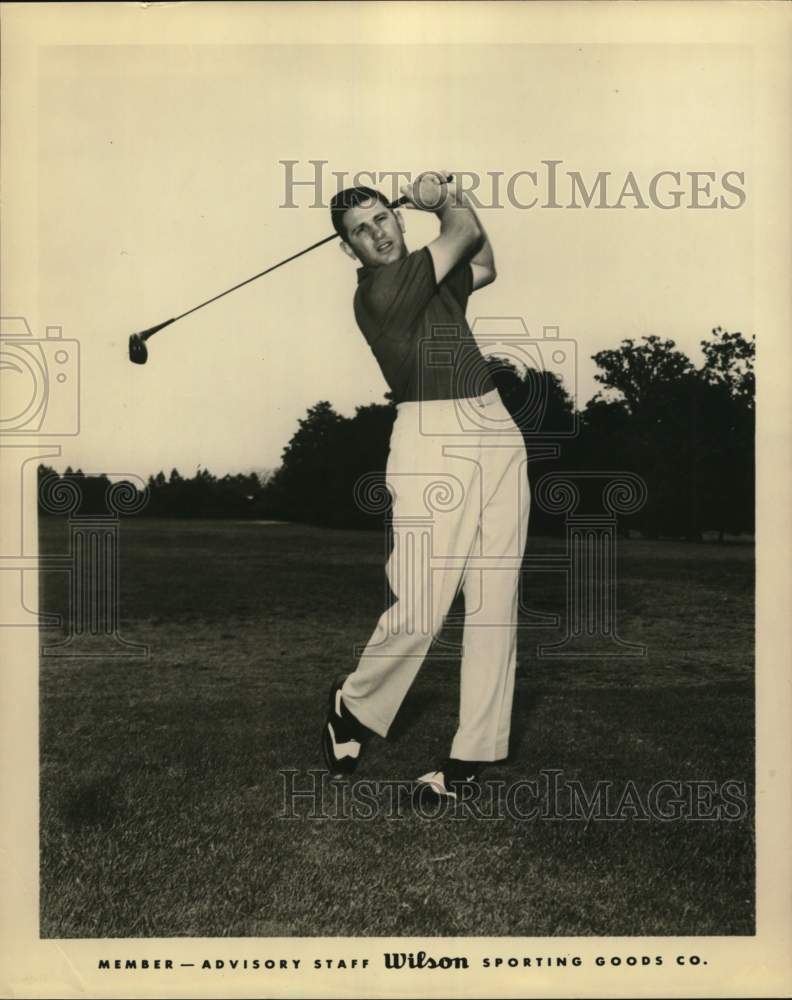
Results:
[481, 401]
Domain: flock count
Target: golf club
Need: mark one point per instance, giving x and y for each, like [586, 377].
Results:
[138, 352]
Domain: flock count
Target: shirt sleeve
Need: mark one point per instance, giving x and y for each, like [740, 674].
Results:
[459, 282]
[397, 294]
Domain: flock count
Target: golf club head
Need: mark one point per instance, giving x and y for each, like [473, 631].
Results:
[138, 352]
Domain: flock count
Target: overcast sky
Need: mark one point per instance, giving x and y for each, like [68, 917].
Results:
[160, 182]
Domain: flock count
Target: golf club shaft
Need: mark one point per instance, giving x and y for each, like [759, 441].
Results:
[145, 334]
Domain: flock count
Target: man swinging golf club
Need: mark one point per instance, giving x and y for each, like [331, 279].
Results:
[452, 434]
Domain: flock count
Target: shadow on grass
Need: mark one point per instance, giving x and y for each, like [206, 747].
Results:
[416, 705]
[526, 703]
[93, 803]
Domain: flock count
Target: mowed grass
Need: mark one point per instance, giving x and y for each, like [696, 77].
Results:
[161, 797]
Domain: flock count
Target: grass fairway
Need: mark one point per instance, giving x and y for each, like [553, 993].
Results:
[160, 784]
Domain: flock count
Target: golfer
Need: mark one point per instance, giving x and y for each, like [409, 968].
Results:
[457, 474]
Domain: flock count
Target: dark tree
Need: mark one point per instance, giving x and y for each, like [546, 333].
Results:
[687, 431]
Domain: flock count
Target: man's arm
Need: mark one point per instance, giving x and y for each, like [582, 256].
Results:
[460, 233]
[483, 263]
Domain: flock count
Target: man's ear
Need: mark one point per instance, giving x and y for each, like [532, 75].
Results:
[399, 219]
[348, 250]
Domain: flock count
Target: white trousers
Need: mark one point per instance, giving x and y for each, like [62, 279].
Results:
[457, 471]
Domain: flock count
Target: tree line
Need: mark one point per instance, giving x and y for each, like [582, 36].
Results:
[687, 430]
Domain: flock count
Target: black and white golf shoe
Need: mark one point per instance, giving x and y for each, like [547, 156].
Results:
[454, 779]
[342, 736]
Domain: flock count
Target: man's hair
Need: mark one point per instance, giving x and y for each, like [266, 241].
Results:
[351, 198]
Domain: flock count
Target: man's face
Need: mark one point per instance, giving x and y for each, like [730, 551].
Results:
[375, 234]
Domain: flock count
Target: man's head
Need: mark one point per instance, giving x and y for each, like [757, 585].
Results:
[370, 231]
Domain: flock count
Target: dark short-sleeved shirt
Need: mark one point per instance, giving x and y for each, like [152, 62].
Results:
[417, 329]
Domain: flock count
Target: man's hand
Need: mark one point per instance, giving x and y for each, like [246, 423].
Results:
[428, 192]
